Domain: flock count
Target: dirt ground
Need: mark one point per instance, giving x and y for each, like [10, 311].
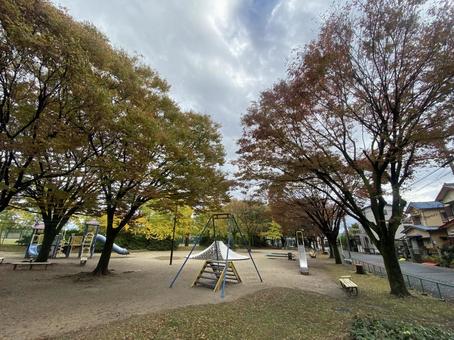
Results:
[38, 303]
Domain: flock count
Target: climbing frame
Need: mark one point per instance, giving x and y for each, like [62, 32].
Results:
[213, 272]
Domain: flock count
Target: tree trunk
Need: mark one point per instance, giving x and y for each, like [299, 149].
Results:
[102, 267]
[395, 277]
[331, 254]
[334, 251]
[186, 240]
[49, 236]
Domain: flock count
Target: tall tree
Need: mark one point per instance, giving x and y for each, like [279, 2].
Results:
[44, 75]
[316, 207]
[366, 104]
[159, 153]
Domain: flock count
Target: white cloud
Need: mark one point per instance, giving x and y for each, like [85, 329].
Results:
[216, 54]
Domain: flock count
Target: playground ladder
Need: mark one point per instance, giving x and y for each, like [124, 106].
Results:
[212, 274]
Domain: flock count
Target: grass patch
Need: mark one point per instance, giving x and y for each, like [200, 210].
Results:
[283, 313]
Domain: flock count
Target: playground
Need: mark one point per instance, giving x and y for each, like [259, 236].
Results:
[66, 299]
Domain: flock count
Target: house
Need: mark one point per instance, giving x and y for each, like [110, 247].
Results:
[448, 237]
[427, 213]
[446, 197]
[424, 234]
[424, 240]
[362, 240]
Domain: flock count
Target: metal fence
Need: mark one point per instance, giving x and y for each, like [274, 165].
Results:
[441, 290]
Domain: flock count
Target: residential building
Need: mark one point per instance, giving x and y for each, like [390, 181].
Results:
[446, 197]
[362, 240]
[425, 233]
[427, 213]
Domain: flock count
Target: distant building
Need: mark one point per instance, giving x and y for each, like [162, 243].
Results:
[362, 240]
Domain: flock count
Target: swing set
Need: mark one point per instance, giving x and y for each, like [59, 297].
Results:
[219, 259]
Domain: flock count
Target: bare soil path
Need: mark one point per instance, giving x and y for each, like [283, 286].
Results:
[39, 304]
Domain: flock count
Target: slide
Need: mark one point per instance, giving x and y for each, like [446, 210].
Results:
[116, 248]
[33, 250]
[304, 269]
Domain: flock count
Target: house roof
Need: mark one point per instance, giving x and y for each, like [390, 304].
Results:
[447, 224]
[419, 227]
[424, 205]
[444, 190]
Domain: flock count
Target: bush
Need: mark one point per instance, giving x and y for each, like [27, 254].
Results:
[447, 255]
[136, 242]
[365, 328]
[24, 240]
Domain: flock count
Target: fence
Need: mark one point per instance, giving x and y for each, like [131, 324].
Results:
[442, 290]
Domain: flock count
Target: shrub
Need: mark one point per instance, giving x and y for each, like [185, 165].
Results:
[447, 255]
[369, 329]
[139, 242]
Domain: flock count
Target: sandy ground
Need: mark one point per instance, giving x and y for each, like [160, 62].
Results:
[38, 303]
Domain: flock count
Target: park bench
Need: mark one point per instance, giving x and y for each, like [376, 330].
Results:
[349, 285]
[31, 264]
[1, 260]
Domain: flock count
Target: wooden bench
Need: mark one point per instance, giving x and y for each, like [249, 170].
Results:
[31, 264]
[349, 285]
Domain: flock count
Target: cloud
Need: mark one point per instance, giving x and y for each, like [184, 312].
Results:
[218, 55]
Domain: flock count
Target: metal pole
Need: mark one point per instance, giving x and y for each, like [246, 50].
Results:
[439, 291]
[226, 261]
[348, 237]
[187, 257]
[215, 242]
[248, 248]
[173, 233]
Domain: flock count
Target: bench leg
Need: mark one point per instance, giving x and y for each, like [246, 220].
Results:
[14, 266]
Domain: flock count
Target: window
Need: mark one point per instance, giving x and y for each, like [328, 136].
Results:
[416, 220]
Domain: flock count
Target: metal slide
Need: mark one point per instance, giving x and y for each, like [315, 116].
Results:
[116, 248]
[304, 269]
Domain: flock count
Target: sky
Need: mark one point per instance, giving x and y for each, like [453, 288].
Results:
[218, 55]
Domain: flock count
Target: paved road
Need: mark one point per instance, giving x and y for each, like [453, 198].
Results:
[432, 273]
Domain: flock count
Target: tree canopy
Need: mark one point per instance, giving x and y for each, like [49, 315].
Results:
[364, 106]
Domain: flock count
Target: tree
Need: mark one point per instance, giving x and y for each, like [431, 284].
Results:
[316, 207]
[274, 231]
[158, 223]
[45, 78]
[62, 178]
[253, 217]
[158, 152]
[366, 104]
[14, 219]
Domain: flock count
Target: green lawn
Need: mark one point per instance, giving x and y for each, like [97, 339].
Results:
[281, 313]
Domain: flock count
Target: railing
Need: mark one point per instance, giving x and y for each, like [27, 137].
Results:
[442, 290]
